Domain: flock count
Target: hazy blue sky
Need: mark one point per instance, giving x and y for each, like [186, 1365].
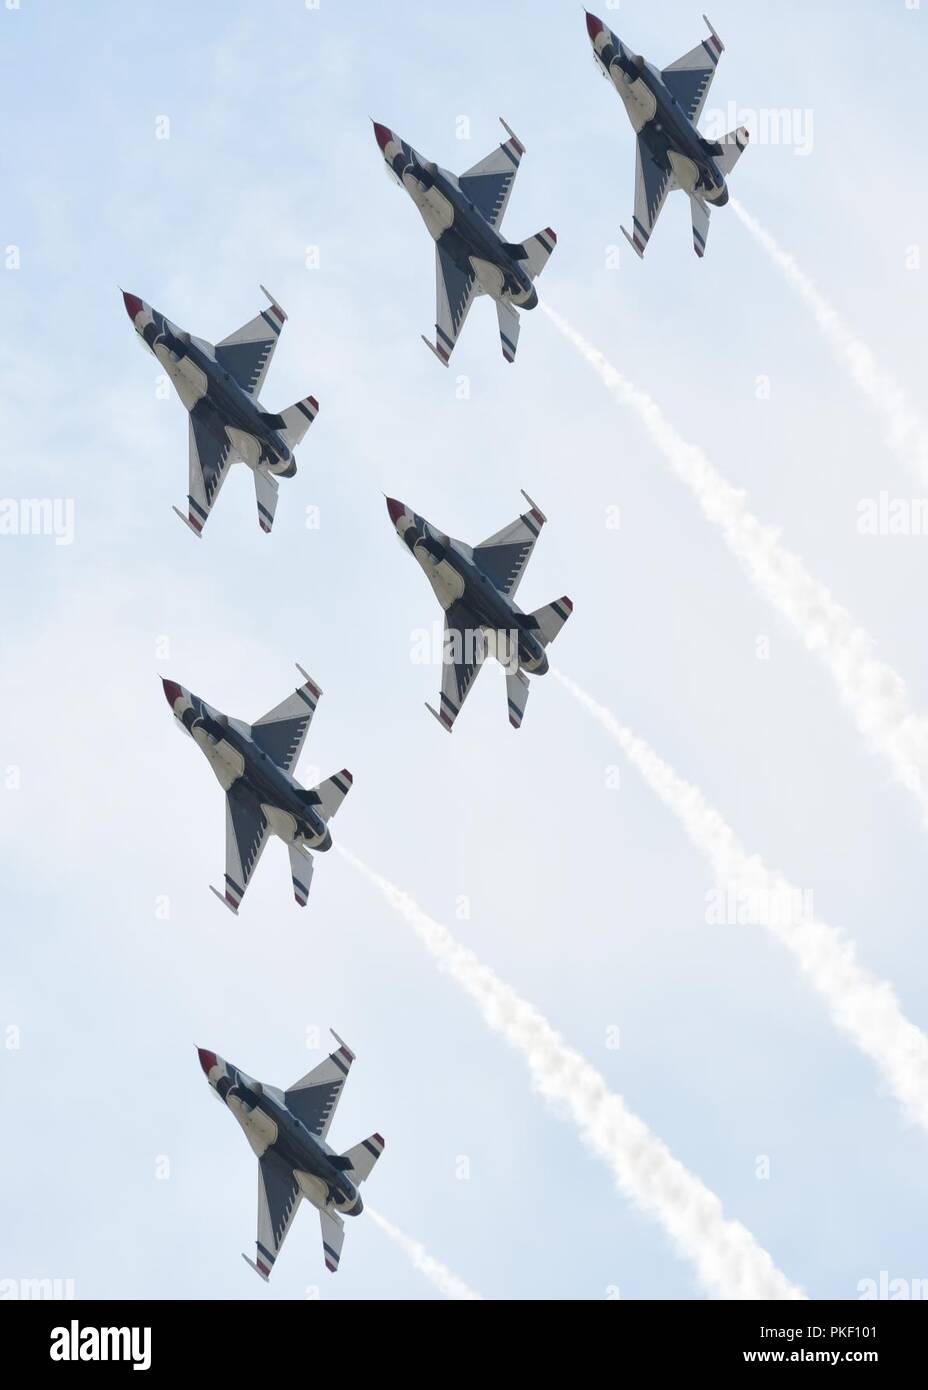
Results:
[585, 897]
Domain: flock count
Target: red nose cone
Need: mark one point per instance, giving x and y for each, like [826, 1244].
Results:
[594, 26]
[207, 1060]
[396, 509]
[172, 692]
[133, 305]
[384, 135]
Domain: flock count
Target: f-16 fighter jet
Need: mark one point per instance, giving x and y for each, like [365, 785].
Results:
[463, 215]
[220, 387]
[254, 765]
[476, 586]
[287, 1131]
[664, 108]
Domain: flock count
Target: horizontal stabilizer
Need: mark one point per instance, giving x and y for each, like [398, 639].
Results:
[361, 1159]
[733, 145]
[549, 620]
[332, 792]
[537, 250]
[333, 1236]
[509, 325]
[301, 873]
[517, 688]
[700, 226]
[297, 420]
[266, 498]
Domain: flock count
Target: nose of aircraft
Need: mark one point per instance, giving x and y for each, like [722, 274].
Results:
[172, 692]
[594, 26]
[396, 509]
[133, 304]
[207, 1060]
[383, 133]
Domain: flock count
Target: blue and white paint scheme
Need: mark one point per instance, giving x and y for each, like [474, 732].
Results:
[463, 214]
[664, 107]
[287, 1131]
[219, 384]
[254, 765]
[476, 587]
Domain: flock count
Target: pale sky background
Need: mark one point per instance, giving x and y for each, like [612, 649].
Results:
[585, 898]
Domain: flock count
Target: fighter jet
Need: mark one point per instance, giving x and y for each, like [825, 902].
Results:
[287, 1131]
[476, 586]
[220, 386]
[254, 766]
[664, 108]
[463, 215]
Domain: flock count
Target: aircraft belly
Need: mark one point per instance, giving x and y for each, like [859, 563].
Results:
[685, 170]
[313, 1189]
[437, 211]
[227, 763]
[245, 445]
[446, 582]
[260, 1130]
[489, 277]
[638, 99]
[281, 823]
[188, 379]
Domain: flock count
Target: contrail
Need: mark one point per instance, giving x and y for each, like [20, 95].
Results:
[728, 1260]
[906, 431]
[872, 691]
[863, 1006]
[447, 1283]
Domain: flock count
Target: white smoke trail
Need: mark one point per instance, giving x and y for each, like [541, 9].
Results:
[906, 431]
[864, 1007]
[728, 1260]
[872, 691]
[445, 1282]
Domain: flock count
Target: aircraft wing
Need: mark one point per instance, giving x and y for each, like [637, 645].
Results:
[247, 833]
[314, 1098]
[488, 184]
[278, 1199]
[503, 557]
[652, 184]
[690, 77]
[463, 654]
[454, 289]
[210, 455]
[246, 354]
[282, 732]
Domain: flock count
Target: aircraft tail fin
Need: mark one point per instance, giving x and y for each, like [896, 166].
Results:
[733, 145]
[332, 792]
[297, 419]
[548, 621]
[361, 1159]
[537, 250]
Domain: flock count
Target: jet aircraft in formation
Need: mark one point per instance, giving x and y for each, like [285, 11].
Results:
[664, 106]
[463, 214]
[220, 385]
[254, 765]
[476, 586]
[287, 1131]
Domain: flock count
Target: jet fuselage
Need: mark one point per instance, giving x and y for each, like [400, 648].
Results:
[457, 578]
[659, 119]
[236, 757]
[199, 377]
[462, 231]
[268, 1124]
